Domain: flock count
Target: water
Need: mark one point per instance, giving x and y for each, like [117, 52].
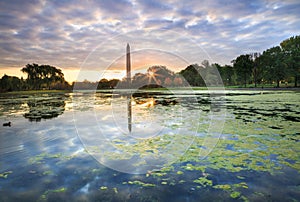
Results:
[184, 146]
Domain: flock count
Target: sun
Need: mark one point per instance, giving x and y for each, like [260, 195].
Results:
[152, 76]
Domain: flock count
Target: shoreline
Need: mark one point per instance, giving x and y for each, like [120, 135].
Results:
[172, 88]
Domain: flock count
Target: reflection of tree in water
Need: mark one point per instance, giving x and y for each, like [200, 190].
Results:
[45, 108]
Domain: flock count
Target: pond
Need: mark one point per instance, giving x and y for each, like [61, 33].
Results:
[150, 145]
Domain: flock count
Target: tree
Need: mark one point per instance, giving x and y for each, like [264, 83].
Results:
[168, 81]
[243, 66]
[274, 66]
[159, 72]
[226, 73]
[139, 80]
[42, 76]
[256, 68]
[192, 76]
[10, 83]
[211, 74]
[103, 84]
[291, 51]
[178, 81]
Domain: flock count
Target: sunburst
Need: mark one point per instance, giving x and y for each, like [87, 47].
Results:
[152, 75]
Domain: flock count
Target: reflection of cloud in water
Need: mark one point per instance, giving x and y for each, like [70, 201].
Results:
[25, 140]
[104, 131]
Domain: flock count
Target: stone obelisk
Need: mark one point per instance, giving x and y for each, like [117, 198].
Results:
[128, 78]
[128, 65]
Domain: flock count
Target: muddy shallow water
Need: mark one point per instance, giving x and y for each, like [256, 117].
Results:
[183, 146]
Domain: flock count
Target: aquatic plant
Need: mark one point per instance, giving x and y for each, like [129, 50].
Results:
[5, 174]
[140, 183]
[235, 194]
[44, 196]
[203, 181]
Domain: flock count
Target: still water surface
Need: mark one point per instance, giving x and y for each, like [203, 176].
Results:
[184, 146]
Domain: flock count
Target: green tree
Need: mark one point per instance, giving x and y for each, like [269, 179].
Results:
[243, 66]
[274, 67]
[291, 50]
[256, 71]
[226, 73]
[192, 76]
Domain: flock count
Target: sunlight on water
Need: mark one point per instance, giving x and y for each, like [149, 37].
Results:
[55, 143]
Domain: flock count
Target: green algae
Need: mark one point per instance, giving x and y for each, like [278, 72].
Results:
[115, 190]
[222, 186]
[48, 172]
[203, 181]
[235, 194]
[233, 189]
[192, 167]
[41, 158]
[241, 184]
[44, 196]
[140, 183]
[5, 174]
[160, 172]
[103, 188]
[179, 172]
[260, 140]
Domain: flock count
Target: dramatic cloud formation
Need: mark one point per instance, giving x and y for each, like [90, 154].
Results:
[92, 34]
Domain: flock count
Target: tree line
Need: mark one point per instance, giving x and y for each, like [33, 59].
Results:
[273, 66]
[279, 64]
[276, 65]
[38, 77]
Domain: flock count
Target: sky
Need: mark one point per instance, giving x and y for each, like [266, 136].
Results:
[87, 38]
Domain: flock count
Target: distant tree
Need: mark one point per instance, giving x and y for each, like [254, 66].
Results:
[10, 83]
[42, 76]
[258, 69]
[226, 73]
[113, 83]
[178, 81]
[159, 72]
[85, 85]
[192, 76]
[243, 66]
[139, 80]
[211, 74]
[168, 81]
[291, 51]
[275, 69]
[103, 84]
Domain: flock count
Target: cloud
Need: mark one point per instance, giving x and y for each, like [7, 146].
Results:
[67, 33]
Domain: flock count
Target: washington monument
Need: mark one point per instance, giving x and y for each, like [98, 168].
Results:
[128, 78]
[128, 65]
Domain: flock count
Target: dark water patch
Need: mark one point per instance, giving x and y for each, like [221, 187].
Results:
[291, 118]
[275, 127]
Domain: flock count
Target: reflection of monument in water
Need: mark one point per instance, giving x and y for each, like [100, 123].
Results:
[128, 81]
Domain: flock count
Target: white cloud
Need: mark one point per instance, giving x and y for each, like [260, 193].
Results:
[64, 33]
